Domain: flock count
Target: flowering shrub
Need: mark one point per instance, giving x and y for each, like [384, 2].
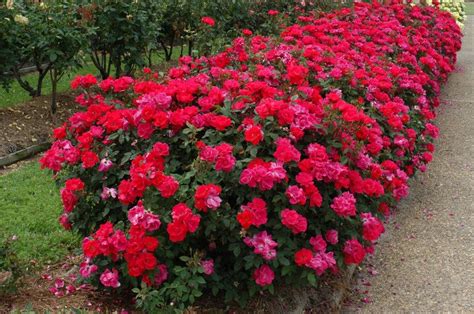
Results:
[270, 163]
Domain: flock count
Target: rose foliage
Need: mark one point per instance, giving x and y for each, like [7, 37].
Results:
[270, 163]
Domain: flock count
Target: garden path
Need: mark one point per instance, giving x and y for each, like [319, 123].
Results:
[425, 260]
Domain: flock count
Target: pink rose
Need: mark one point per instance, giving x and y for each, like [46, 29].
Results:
[344, 205]
[293, 220]
[318, 243]
[86, 269]
[208, 266]
[161, 275]
[332, 236]
[354, 252]
[105, 165]
[372, 227]
[263, 275]
[295, 195]
[110, 278]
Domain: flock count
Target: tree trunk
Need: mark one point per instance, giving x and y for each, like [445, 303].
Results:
[100, 63]
[54, 85]
[118, 68]
[39, 84]
[25, 85]
[165, 49]
[190, 47]
[150, 58]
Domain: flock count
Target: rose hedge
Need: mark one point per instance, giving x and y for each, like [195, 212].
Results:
[272, 162]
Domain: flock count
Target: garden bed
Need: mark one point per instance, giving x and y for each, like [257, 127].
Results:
[31, 123]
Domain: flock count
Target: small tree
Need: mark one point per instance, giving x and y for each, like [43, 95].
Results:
[121, 32]
[65, 40]
[8, 48]
[44, 35]
[22, 45]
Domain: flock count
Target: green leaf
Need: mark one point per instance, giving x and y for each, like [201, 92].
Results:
[311, 279]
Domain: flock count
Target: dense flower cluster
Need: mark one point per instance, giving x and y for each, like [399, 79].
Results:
[271, 162]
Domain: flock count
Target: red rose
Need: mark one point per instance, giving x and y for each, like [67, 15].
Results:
[263, 275]
[147, 261]
[292, 220]
[208, 20]
[296, 73]
[176, 231]
[60, 132]
[90, 248]
[253, 213]
[372, 228]
[220, 123]
[303, 257]
[253, 134]
[150, 243]
[245, 219]
[69, 200]
[316, 199]
[64, 221]
[192, 222]
[354, 252]
[373, 188]
[247, 32]
[168, 186]
[285, 151]
[295, 195]
[85, 81]
[134, 269]
[89, 159]
[272, 12]
[207, 196]
[74, 184]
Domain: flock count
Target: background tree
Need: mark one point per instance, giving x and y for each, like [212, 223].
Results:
[120, 33]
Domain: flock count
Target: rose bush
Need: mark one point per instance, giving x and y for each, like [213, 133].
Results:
[270, 163]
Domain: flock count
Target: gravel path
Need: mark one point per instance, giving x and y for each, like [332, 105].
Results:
[425, 260]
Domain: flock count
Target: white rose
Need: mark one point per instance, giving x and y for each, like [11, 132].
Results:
[20, 19]
[10, 4]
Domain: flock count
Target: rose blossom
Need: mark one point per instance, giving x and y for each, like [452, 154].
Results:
[354, 252]
[161, 275]
[332, 236]
[344, 205]
[208, 266]
[105, 165]
[110, 278]
[263, 275]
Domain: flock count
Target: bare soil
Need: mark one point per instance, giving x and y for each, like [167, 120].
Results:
[34, 293]
[32, 122]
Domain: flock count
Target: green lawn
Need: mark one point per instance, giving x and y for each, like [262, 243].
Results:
[29, 208]
[470, 8]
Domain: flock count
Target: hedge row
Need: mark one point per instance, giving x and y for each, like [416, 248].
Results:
[270, 163]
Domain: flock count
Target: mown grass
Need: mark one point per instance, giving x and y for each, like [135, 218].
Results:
[29, 209]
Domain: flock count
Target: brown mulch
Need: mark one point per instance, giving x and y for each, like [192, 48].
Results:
[34, 293]
[32, 123]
